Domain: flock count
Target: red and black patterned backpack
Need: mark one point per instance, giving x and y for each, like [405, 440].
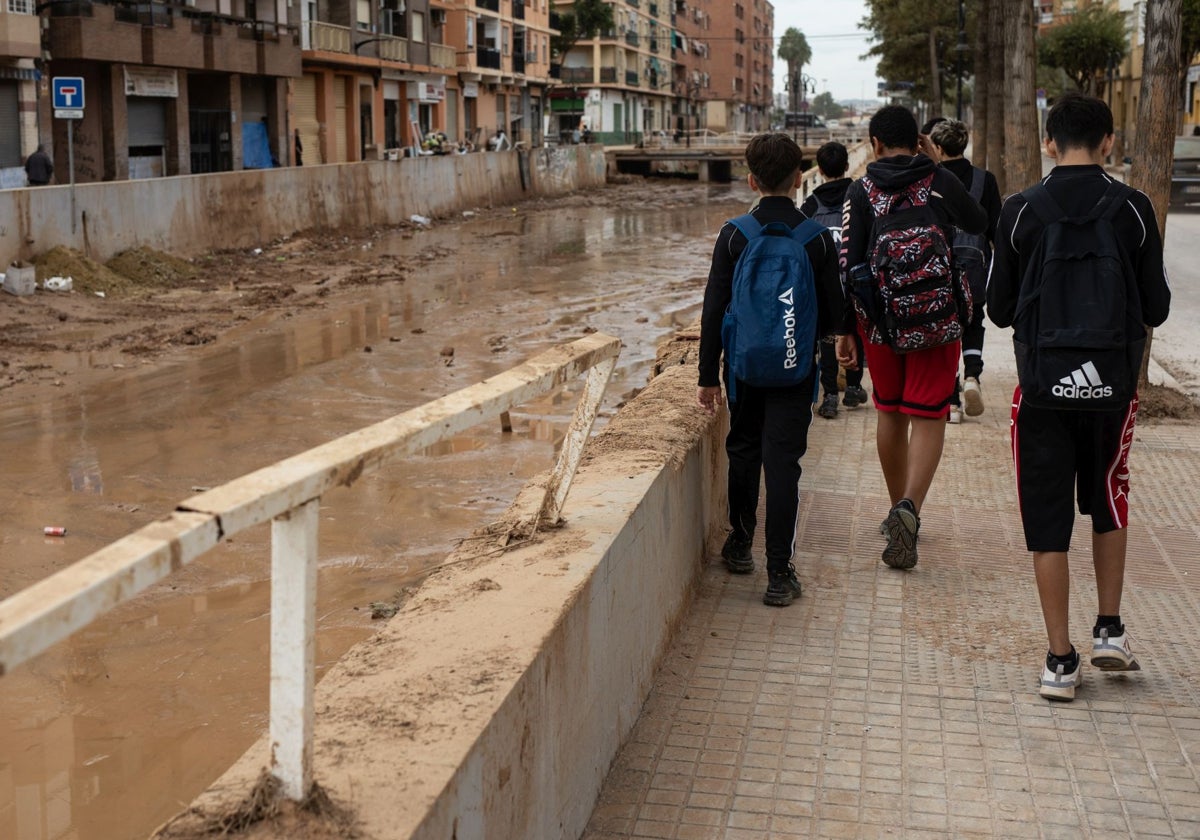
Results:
[923, 299]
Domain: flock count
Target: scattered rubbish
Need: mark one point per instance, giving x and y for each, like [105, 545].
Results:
[467, 214]
[58, 284]
[19, 279]
[256, 251]
[200, 489]
[368, 349]
[447, 351]
[419, 220]
[418, 331]
[54, 531]
[99, 294]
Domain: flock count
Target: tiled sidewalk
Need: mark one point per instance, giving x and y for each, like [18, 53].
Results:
[904, 705]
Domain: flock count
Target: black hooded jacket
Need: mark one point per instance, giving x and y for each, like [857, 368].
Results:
[950, 201]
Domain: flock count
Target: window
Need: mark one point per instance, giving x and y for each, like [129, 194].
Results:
[504, 40]
[20, 7]
[363, 17]
[470, 33]
[418, 27]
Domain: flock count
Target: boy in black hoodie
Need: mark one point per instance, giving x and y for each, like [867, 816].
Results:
[824, 205]
[912, 391]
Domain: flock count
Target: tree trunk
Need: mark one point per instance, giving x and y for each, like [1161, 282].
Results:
[1022, 157]
[935, 75]
[979, 96]
[995, 126]
[1153, 144]
[793, 87]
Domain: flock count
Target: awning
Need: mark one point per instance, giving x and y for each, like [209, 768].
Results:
[25, 74]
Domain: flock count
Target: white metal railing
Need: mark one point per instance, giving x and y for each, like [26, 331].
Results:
[288, 495]
[20, 7]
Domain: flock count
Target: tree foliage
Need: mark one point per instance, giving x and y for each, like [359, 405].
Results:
[1084, 45]
[823, 105]
[585, 19]
[794, 49]
[901, 31]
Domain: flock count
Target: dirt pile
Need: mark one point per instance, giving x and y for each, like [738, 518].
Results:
[86, 274]
[150, 269]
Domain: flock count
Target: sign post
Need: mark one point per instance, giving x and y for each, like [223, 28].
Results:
[68, 105]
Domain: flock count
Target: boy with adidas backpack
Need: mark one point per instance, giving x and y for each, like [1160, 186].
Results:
[1077, 271]
[910, 305]
[773, 290]
[824, 205]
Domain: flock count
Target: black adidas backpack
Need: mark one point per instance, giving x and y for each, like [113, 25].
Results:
[1078, 332]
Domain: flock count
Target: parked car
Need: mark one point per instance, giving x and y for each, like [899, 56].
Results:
[1185, 175]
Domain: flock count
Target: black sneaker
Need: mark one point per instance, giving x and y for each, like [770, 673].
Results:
[854, 397]
[901, 526]
[736, 554]
[782, 587]
[828, 408]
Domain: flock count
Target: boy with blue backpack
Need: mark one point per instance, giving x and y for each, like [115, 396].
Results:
[773, 290]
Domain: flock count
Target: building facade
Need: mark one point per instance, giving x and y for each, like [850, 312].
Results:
[743, 65]
[20, 46]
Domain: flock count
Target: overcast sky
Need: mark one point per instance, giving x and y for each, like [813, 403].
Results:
[831, 27]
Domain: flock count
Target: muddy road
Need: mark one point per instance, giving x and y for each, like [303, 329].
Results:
[114, 408]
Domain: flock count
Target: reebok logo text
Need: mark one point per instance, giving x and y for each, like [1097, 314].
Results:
[1083, 383]
[789, 329]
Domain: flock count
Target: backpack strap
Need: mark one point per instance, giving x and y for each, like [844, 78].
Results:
[978, 178]
[1111, 202]
[1039, 200]
[748, 226]
[807, 231]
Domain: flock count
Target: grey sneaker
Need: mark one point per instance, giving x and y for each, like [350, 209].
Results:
[1110, 651]
[854, 396]
[736, 554]
[782, 587]
[828, 408]
[901, 526]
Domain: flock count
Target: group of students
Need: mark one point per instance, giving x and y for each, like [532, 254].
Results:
[891, 272]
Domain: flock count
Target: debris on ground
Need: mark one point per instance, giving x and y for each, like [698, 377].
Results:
[147, 268]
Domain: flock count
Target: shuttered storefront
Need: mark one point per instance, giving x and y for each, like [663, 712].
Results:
[305, 104]
[10, 124]
[147, 136]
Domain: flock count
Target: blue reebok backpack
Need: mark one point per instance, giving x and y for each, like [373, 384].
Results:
[770, 328]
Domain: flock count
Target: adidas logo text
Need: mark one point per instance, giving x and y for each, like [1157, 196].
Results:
[789, 329]
[1083, 383]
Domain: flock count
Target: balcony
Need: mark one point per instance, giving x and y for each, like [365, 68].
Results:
[490, 5]
[389, 48]
[577, 75]
[487, 58]
[442, 56]
[632, 78]
[20, 35]
[328, 37]
[631, 38]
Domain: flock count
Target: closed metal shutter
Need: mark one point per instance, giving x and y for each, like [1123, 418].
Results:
[10, 124]
[254, 100]
[305, 103]
[452, 115]
[147, 121]
[338, 136]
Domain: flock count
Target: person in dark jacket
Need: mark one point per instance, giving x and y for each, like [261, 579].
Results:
[911, 391]
[39, 169]
[768, 427]
[949, 138]
[824, 205]
[1060, 453]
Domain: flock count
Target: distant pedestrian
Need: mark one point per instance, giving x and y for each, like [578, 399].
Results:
[299, 149]
[824, 205]
[895, 253]
[770, 375]
[1077, 296]
[39, 169]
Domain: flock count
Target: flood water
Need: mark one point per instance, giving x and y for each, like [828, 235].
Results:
[111, 732]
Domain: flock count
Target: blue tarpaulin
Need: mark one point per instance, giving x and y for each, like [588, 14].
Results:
[256, 150]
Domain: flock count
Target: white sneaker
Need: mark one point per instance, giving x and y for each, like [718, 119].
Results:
[1058, 684]
[955, 415]
[1112, 653]
[972, 396]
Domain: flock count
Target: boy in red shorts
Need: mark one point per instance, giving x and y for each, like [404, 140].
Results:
[912, 391]
[1072, 438]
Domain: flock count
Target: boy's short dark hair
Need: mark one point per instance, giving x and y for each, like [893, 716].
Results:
[774, 159]
[950, 136]
[929, 124]
[895, 127]
[1078, 121]
[833, 160]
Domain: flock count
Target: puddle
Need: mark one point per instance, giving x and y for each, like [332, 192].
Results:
[111, 732]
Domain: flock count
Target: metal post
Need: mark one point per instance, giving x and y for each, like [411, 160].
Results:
[293, 631]
[71, 167]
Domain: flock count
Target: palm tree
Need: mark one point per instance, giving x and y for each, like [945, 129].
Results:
[794, 49]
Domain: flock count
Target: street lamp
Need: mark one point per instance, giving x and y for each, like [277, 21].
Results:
[806, 84]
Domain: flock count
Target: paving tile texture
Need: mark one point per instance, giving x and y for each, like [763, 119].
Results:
[904, 704]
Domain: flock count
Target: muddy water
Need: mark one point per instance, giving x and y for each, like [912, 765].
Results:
[109, 733]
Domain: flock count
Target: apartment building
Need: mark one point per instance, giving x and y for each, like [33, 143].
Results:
[692, 51]
[20, 45]
[620, 83]
[742, 65]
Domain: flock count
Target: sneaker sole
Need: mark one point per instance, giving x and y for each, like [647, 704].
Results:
[901, 551]
[1114, 662]
[740, 567]
[778, 600]
[1059, 693]
[974, 400]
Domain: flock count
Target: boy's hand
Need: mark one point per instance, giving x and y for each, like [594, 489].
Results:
[708, 397]
[847, 352]
[926, 146]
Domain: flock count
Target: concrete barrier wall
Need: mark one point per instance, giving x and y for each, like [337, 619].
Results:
[494, 703]
[192, 214]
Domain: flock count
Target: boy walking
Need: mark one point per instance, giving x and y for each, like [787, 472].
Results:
[912, 388]
[824, 205]
[768, 425]
[1073, 249]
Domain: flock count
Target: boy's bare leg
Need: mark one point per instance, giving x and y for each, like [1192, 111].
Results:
[1054, 590]
[891, 439]
[924, 454]
[1108, 558]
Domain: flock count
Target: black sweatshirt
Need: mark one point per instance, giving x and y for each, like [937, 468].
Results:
[1076, 189]
[730, 243]
[963, 168]
[831, 194]
[949, 199]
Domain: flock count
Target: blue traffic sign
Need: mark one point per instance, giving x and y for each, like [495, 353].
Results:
[68, 92]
